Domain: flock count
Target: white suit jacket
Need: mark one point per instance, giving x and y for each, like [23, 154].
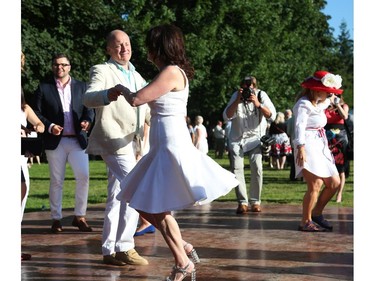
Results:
[116, 122]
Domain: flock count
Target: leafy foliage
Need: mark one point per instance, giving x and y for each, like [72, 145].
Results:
[279, 42]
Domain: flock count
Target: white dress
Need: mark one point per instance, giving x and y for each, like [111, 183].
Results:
[174, 174]
[309, 130]
[202, 143]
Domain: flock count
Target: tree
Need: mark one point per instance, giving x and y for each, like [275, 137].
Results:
[343, 62]
[279, 42]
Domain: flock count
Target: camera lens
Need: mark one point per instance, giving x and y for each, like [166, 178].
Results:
[246, 93]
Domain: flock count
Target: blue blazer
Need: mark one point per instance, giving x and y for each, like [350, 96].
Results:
[48, 107]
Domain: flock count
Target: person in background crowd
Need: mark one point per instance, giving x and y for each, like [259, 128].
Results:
[200, 135]
[288, 114]
[228, 125]
[58, 103]
[313, 158]
[281, 148]
[248, 110]
[192, 177]
[190, 128]
[117, 137]
[290, 158]
[219, 135]
[336, 113]
[31, 160]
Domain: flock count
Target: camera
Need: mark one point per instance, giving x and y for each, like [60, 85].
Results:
[247, 92]
[266, 142]
[336, 100]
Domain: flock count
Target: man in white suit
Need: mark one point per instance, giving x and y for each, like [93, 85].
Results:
[117, 132]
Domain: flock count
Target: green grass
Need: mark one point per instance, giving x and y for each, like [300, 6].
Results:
[277, 188]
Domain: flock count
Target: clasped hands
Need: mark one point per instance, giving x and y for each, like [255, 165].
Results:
[115, 92]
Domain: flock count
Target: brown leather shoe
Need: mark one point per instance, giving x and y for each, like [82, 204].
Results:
[256, 208]
[56, 226]
[110, 259]
[242, 209]
[25, 257]
[81, 224]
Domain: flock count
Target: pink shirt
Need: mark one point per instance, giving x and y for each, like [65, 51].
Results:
[65, 94]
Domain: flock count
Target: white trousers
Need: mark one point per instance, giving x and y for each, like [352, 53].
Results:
[120, 221]
[68, 151]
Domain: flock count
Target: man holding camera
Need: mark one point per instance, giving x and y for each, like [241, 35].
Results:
[248, 110]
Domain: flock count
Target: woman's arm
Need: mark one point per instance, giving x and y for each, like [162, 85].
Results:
[33, 119]
[343, 110]
[169, 79]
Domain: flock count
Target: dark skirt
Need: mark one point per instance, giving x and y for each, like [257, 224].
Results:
[338, 142]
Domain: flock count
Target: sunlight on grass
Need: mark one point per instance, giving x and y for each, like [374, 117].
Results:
[277, 188]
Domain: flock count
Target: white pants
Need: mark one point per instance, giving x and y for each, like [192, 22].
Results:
[120, 221]
[68, 151]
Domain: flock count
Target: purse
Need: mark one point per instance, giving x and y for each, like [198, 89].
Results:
[32, 144]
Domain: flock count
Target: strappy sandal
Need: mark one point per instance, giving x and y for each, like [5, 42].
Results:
[310, 226]
[193, 255]
[183, 271]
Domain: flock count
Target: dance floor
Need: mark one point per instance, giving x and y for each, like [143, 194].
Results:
[255, 246]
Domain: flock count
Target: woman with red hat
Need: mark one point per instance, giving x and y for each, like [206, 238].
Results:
[313, 158]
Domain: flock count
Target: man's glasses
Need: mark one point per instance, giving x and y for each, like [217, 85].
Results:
[61, 64]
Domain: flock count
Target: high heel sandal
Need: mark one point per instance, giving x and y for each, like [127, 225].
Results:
[193, 255]
[183, 271]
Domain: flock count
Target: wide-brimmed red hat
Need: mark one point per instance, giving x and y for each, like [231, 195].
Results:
[324, 81]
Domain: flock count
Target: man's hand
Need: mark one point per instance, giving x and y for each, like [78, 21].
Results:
[129, 96]
[85, 125]
[113, 93]
[56, 130]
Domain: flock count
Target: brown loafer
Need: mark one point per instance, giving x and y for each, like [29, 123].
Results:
[56, 226]
[25, 257]
[81, 224]
[256, 208]
[110, 259]
[242, 209]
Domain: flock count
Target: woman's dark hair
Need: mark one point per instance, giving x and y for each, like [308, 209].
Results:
[167, 43]
[23, 101]
[305, 92]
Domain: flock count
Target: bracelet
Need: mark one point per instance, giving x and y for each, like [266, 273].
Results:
[300, 145]
[260, 106]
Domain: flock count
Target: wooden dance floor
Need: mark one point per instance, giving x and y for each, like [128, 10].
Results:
[256, 246]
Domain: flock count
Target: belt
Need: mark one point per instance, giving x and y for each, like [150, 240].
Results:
[68, 136]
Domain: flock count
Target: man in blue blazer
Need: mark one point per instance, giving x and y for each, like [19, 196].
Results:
[58, 103]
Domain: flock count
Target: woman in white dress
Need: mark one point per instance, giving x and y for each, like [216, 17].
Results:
[313, 159]
[200, 135]
[173, 175]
